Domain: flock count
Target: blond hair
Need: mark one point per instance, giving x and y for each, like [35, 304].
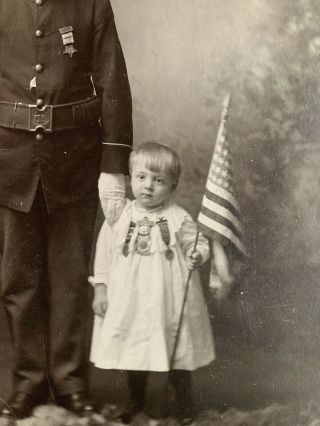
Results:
[157, 157]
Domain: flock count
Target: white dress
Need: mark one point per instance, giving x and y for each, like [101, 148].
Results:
[145, 294]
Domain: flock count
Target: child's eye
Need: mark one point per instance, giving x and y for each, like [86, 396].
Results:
[158, 180]
[140, 177]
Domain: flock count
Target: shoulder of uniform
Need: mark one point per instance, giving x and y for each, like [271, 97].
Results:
[103, 11]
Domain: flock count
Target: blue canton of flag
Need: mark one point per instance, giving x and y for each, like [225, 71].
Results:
[219, 216]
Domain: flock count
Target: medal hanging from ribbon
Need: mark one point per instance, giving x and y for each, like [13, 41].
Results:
[143, 242]
[68, 40]
[165, 235]
[125, 249]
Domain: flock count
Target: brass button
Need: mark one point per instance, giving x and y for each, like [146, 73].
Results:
[40, 103]
[39, 68]
[40, 136]
[39, 33]
[39, 2]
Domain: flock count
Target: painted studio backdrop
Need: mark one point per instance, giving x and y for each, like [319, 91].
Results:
[183, 56]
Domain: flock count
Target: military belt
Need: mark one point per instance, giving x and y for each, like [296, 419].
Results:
[49, 118]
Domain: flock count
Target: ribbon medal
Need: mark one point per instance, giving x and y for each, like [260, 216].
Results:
[143, 241]
[68, 40]
[165, 235]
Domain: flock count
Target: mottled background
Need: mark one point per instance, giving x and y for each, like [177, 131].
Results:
[183, 56]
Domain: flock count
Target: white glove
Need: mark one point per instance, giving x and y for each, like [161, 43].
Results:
[221, 279]
[221, 262]
[112, 191]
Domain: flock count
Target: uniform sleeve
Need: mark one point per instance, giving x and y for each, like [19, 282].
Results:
[101, 267]
[111, 83]
[187, 235]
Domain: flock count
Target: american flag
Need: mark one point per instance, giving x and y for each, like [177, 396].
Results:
[219, 216]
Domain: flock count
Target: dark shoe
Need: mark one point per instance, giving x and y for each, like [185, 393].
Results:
[128, 414]
[186, 415]
[19, 406]
[76, 402]
[185, 421]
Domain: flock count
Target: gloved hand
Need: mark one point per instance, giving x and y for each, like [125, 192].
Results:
[221, 277]
[112, 191]
[221, 262]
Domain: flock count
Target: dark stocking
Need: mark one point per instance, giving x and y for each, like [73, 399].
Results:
[181, 382]
[137, 383]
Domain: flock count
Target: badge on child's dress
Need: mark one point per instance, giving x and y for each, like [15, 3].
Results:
[165, 235]
[143, 241]
[125, 249]
[68, 40]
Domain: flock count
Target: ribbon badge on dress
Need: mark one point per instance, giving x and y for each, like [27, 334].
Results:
[68, 40]
[143, 241]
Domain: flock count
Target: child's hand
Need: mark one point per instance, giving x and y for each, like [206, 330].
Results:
[193, 260]
[100, 300]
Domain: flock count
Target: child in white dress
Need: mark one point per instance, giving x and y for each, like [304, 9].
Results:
[140, 274]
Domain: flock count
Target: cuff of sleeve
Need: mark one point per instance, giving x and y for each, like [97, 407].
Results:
[115, 158]
[98, 279]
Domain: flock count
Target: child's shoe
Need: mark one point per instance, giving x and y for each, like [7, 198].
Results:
[129, 413]
[186, 415]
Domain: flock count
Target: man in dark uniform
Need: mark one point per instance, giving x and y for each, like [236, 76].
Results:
[65, 120]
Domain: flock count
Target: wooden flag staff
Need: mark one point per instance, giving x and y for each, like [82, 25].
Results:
[224, 114]
[173, 355]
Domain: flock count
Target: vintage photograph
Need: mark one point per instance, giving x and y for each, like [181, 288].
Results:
[159, 212]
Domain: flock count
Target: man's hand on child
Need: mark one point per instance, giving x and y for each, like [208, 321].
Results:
[193, 260]
[100, 301]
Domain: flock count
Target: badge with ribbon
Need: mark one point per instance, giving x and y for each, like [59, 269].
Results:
[143, 241]
[165, 235]
[68, 40]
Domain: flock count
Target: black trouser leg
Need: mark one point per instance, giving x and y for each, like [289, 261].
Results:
[182, 384]
[137, 383]
[70, 232]
[22, 279]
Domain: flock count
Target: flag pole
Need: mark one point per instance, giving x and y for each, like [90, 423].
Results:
[173, 355]
[224, 115]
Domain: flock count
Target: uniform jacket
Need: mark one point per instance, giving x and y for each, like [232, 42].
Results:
[67, 162]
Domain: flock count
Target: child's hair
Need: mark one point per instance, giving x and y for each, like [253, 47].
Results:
[157, 157]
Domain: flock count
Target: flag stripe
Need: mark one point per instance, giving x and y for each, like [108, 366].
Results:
[222, 202]
[222, 211]
[220, 219]
[209, 226]
[215, 189]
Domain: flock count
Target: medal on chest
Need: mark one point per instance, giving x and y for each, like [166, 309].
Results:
[165, 235]
[68, 40]
[143, 242]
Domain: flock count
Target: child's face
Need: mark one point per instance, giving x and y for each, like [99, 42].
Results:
[150, 188]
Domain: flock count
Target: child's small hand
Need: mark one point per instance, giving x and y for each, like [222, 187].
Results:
[193, 260]
[100, 300]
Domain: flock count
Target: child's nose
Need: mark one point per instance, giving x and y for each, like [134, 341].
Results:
[148, 184]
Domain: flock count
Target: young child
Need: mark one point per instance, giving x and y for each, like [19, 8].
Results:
[140, 274]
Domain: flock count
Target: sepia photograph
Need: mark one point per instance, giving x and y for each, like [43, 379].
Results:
[159, 212]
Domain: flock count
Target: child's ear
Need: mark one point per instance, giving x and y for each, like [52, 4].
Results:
[173, 187]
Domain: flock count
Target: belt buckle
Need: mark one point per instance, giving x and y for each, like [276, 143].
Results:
[40, 118]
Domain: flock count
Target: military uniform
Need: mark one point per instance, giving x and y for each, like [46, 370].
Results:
[65, 116]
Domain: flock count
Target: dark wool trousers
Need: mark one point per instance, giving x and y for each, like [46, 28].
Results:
[44, 288]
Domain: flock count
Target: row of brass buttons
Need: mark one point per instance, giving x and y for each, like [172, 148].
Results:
[40, 136]
[39, 68]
